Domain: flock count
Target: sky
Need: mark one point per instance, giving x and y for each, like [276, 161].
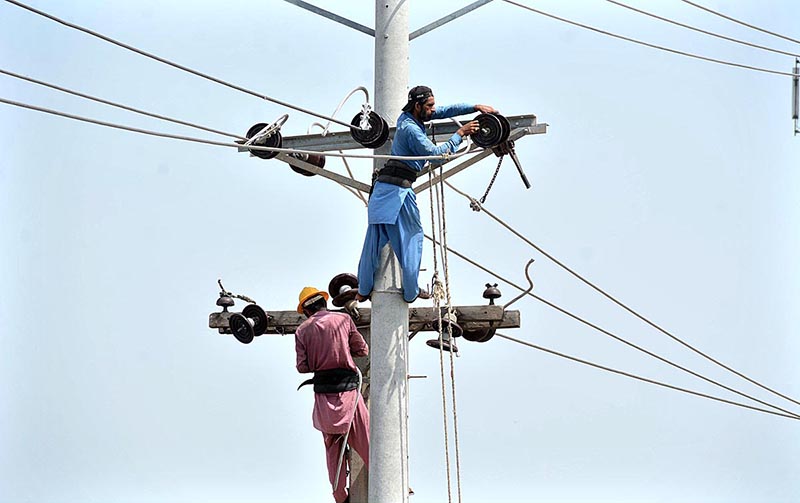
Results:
[668, 181]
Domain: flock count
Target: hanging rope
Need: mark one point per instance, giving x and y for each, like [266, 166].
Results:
[443, 233]
[437, 292]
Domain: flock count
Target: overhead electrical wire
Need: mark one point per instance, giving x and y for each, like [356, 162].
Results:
[118, 105]
[612, 335]
[645, 379]
[730, 39]
[176, 65]
[646, 44]
[443, 157]
[614, 299]
[741, 22]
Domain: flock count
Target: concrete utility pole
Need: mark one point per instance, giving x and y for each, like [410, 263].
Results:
[388, 319]
[388, 473]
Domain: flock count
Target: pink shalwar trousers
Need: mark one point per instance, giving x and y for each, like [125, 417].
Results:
[357, 440]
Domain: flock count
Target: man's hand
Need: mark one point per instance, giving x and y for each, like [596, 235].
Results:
[468, 128]
[485, 109]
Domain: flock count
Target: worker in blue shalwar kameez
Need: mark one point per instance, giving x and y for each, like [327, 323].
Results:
[393, 216]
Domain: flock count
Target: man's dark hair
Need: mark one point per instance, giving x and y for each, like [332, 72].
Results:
[318, 304]
[418, 94]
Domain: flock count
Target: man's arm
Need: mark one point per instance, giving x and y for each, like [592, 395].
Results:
[302, 356]
[421, 145]
[447, 111]
[358, 346]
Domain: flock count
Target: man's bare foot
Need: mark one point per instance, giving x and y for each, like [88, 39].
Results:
[361, 298]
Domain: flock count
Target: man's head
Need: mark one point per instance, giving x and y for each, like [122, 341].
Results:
[311, 300]
[421, 103]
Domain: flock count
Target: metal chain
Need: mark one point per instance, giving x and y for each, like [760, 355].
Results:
[476, 207]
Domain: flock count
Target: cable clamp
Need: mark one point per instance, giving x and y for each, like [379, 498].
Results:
[366, 110]
[474, 204]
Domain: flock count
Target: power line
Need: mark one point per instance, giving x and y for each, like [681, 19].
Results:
[644, 379]
[176, 65]
[111, 103]
[741, 22]
[612, 335]
[615, 300]
[443, 157]
[730, 39]
[646, 44]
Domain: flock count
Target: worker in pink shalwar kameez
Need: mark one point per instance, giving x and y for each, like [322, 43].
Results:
[325, 344]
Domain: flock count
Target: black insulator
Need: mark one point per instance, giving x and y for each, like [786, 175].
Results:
[491, 293]
[375, 135]
[274, 140]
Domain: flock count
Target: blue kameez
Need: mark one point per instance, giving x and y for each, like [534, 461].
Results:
[393, 216]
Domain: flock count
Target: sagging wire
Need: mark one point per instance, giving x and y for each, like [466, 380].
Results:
[699, 30]
[176, 65]
[611, 334]
[729, 18]
[475, 205]
[645, 379]
[646, 44]
[117, 105]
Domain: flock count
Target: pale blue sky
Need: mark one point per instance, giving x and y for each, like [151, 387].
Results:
[671, 182]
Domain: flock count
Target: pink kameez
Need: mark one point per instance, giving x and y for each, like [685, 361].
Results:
[329, 340]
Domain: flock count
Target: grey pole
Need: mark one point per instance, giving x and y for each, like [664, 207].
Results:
[388, 464]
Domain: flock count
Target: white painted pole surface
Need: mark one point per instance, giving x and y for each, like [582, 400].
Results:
[388, 471]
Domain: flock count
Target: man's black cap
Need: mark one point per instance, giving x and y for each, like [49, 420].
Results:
[417, 94]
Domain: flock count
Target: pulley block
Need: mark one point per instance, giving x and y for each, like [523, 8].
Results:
[315, 159]
[374, 135]
[274, 140]
[251, 322]
[493, 129]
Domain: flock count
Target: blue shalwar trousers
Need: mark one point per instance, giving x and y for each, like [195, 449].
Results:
[404, 234]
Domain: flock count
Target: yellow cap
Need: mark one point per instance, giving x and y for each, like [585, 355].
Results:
[308, 292]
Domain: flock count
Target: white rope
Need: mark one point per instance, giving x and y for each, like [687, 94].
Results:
[438, 294]
[353, 191]
[445, 262]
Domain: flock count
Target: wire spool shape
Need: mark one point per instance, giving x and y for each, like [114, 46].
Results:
[275, 140]
[493, 129]
[251, 322]
[375, 136]
[315, 159]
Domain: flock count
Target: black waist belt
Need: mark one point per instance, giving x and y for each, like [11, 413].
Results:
[333, 381]
[397, 173]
